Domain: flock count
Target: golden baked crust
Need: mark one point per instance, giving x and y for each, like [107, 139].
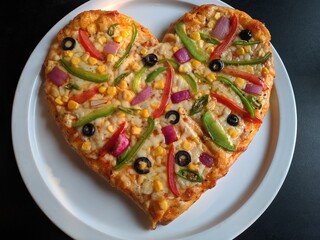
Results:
[76, 96]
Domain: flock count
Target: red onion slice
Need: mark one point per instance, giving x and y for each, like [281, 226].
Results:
[121, 145]
[222, 28]
[206, 159]
[253, 89]
[182, 55]
[111, 48]
[142, 96]
[169, 134]
[57, 76]
[180, 96]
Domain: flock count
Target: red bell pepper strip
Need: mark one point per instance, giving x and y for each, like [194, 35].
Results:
[85, 95]
[245, 75]
[166, 92]
[228, 40]
[171, 172]
[236, 108]
[107, 147]
[88, 45]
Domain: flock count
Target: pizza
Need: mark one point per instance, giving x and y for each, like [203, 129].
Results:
[161, 122]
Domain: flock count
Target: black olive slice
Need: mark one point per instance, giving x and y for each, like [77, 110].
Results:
[233, 120]
[183, 158]
[88, 129]
[142, 165]
[216, 65]
[150, 60]
[176, 116]
[245, 34]
[68, 43]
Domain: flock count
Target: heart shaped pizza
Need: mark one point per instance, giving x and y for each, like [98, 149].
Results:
[160, 121]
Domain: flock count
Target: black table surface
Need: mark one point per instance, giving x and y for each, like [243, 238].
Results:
[294, 25]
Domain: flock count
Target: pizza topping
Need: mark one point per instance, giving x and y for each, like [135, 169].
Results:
[206, 159]
[169, 134]
[72, 86]
[172, 62]
[201, 78]
[142, 96]
[151, 76]
[245, 35]
[131, 111]
[190, 80]
[183, 158]
[253, 89]
[89, 46]
[216, 65]
[150, 60]
[171, 178]
[254, 102]
[209, 39]
[68, 43]
[191, 176]
[136, 79]
[182, 55]
[119, 78]
[111, 48]
[245, 43]
[111, 29]
[233, 120]
[88, 129]
[199, 104]
[142, 165]
[85, 95]
[249, 62]
[125, 55]
[216, 132]
[101, 112]
[57, 76]
[85, 75]
[221, 28]
[120, 145]
[175, 114]
[180, 96]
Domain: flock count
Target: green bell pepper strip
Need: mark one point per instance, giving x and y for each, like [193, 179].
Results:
[241, 94]
[190, 175]
[81, 73]
[111, 29]
[130, 111]
[201, 78]
[209, 39]
[99, 113]
[132, 152]
[72, 86]
[173, 63]
[155, 73]
[245, 43]
[136, 79]
[199, 104]
[190, 80]
[134, 35]
[196, 52]
[216, 132]
[249, 62]
[120, 78]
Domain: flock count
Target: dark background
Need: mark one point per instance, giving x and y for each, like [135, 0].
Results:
[294, 25]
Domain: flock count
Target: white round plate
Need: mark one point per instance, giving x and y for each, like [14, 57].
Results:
[85, 207]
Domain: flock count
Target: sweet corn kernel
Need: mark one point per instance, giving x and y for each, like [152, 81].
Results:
[112, 91]
[250, 69]
[145, 113]
[102, 40]
[59, 101]
[187, 145]
[157, 185]
[210, 49]
[123, 85]
[110, 58]
[110, 128]
[182, 111]
[195, 63]
[135, 130]
[142, 165]
[196, 140]
[86, 146]
[193, 166]
[159, 151]
[68, 53]
[233, 132]
[85, 57]
[65, 98]
[101, 68]
[200, 43]
[92, 28]
[128, 95]
[211, 77]
[143, 51]
[175, 48]
[154, 105]
[261, 53]
[159, 84]
[124, 33]
[241, 51]
[118, 39]
[72, 105]
[239, 82]
[75, 61]
[195, 36]
[217, 15]
[102, 89]
[92, 61]
[247, 48]
[163, 204]
[121, 114]
[265, 71]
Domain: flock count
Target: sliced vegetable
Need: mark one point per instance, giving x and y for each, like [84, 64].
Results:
[173, 63]
[190, 80]
[136, 79]
[228, 39]
[155, 73]
[111, 48]
[88, 129]
[201, 78]
[72, 86]
[171, 178]
[233, 120]
[150, 60]
[182, 55]
[253, 89]
[191, 176]
[126, 53]
[57, 76]
[175, 114]
[180, 96]
[245, 34]
[199, 104]
[206, 159]
[209, 39]
[119, 78]
[142, 165]
[121, 144]
[101, 112]
[85, 75]
[216, 65]
[107, 147]
[142, 96]
[245, 43]
[248, 62]
[132, 152]
[111, 29]
[98, 102]
[196, 52]
[183, 158]
[216, 132]
[68, 43]
[221, 28]
[89, 46]
[169, 134]
[131, 111]
[255, 102]
[85, 95]
[241, 94]
[166, 92]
